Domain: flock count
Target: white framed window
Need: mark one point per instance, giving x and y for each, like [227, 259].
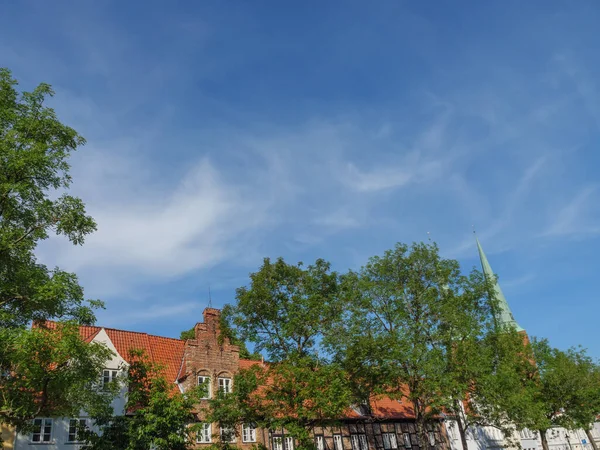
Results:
[108, 376]
[42, 430]
[227, 434]
[249, 432]
[407, 443]
[338, 443]
[75, 427]
[203, 435]
[389, 441]
[320, 442]
[277, 443]
[359, 442]
[289, 443]
[204, 380]
[225, 385]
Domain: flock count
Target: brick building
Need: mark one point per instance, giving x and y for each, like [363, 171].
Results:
[214, 361]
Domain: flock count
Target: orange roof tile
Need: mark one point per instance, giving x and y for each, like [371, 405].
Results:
[167, 352]
[247, 363]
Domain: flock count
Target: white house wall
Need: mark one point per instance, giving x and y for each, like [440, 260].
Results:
[60, 426]
[482, 438]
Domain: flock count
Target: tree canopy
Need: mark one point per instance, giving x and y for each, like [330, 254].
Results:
[410, 319]
[40, 375]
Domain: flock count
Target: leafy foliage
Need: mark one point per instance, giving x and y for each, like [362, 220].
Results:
[157, 417]
[286, 309]
[411, 320]
[285, 312]
[564, 391]
[44, 371]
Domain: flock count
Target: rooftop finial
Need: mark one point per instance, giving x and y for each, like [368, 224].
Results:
[209, 298]
[429, 236]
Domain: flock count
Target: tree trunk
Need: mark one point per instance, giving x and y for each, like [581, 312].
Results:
[544, 440]
[421, 429]
[588, 432]
[461, 428]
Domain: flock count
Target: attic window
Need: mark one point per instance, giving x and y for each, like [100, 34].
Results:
[108, 376]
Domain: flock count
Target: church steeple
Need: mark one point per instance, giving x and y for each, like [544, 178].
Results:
[503, 314]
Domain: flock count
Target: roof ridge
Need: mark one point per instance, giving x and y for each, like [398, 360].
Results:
[122, 330]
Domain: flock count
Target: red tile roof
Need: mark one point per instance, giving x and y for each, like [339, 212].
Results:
[167, 352]
[247, 363]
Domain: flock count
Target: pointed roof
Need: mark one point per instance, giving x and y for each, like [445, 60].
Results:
[503, 314]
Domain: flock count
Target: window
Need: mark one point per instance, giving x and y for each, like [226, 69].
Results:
[359, 442]
[75, 427]
[108, 376]
[320, 442]
[225, 385]
[526, 434]
[203, 436]
[249, 432]
[204, 380]
[227, 434]
[289, 443]
[389, 441]
[407, 443]
[338, 444]
[277, 443]
[431, 437]
[42, 430]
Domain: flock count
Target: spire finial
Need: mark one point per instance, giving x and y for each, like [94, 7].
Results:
[429, 236]
[209, 298]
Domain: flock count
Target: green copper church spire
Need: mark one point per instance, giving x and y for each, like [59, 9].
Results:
[503, 314]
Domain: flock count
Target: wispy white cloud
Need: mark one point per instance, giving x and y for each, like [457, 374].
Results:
[385, 178]
[579, 217]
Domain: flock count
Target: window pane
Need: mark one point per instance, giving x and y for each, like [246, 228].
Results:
[47, 430]
[289, 443]
[277, 443]
[206, 382]
[337, 442]
[320, 444]
[364, 445]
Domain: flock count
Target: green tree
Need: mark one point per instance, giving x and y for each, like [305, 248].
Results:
[34, 176]
[157, 417]
[411, 320]
[500, 395]
[284, 313]
[564, 390]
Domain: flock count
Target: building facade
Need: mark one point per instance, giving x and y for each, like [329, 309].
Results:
[209, 360]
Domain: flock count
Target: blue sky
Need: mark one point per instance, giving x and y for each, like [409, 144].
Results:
[222, 132]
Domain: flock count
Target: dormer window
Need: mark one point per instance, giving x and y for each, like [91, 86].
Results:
[204, 380]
